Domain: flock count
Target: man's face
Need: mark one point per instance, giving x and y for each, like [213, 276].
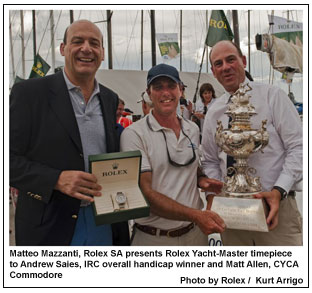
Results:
[165, 94]
[227, 66]
[83, 50]
[120, 109]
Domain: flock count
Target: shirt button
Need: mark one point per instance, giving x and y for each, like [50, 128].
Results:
[74, 216]
[81, 155]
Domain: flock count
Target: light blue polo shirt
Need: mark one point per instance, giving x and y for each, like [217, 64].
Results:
[90, 120]
[92, 133]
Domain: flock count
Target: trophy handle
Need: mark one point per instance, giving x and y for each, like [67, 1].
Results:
[261, 137]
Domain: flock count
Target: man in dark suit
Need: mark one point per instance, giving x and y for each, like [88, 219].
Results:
[55, 123]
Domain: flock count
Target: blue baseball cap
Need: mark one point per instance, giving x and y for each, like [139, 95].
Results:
[163, 70]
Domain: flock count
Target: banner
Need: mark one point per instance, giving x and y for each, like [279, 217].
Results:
[219, 28]
[290, 31]
[40, 67]
[168, 45]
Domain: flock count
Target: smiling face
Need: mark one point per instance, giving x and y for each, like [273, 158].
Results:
[83, 50]
[165, 94]
[227, 65]
[207, 97]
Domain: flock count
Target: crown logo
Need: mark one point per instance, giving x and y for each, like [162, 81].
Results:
[115, 166]
[39, 64]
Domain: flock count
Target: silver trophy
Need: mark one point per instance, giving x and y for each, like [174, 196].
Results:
[236, 205]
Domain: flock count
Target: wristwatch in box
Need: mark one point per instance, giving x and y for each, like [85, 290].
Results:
[121, 199]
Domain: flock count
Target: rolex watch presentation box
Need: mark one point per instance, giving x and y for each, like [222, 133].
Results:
[119, 176]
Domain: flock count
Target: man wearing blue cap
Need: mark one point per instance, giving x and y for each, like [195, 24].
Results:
[170, 174]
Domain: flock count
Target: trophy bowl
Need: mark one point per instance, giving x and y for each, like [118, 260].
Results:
[236, 204]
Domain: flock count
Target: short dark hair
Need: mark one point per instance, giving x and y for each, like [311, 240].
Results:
[239, 51]
[206, 87]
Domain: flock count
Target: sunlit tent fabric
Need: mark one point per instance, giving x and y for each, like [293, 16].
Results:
[286, 55]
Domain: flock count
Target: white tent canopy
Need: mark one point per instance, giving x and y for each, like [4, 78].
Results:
[129, 84]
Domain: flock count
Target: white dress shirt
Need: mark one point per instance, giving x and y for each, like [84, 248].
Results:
[280, 164]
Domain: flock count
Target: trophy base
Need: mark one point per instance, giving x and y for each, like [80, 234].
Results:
[242, 213]
[240, 194]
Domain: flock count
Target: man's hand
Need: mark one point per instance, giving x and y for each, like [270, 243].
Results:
[209, 184]
[189, 106]
[209, 222]
[273, 199]
[78, 184]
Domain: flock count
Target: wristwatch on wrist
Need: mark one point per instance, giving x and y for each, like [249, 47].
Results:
[282, 191]
[121, 200]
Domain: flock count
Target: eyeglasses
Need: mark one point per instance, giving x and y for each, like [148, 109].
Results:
[173, 163]
[205, 110]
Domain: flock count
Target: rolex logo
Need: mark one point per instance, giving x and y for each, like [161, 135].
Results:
[39, 64]
[115, 172]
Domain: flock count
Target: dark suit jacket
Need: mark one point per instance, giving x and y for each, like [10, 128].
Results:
[45, 140]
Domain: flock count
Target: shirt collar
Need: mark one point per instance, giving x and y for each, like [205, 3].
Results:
[71, 86]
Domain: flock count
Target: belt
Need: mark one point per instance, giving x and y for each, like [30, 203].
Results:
[169, 233]
[291, 193]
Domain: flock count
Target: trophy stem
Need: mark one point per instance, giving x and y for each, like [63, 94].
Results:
[239, 183]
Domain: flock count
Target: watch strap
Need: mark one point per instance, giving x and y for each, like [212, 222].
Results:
[282, 191]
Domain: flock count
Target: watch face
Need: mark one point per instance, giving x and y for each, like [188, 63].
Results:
[120, 198]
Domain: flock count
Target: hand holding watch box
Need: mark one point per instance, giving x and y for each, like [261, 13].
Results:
[119, 176]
